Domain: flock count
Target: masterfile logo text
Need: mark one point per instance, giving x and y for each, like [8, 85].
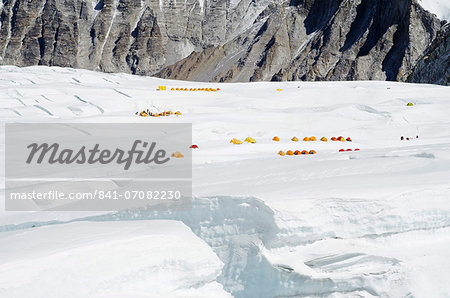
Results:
[97, 166]
[42, 153]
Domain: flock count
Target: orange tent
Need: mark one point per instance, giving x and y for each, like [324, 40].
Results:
[324, 139]
[312, 152]
[297, 152]
[313, 139]
[177, 155]
[281, 153]
[306, 139]
[276, 139]
[304, 152]
[290, 153]
[294, 139]
[333, 139]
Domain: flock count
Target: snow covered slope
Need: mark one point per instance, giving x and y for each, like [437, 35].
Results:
[370, 223]
[115, 259]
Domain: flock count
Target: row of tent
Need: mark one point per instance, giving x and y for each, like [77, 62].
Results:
[164, 88]
[297, 152]
[239, 142]
[314, 139]
[294, 139]
[147, 113]
[311, 152]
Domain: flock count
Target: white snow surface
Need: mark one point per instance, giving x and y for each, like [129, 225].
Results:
[115, 259]
[374, 222]
[439, 7]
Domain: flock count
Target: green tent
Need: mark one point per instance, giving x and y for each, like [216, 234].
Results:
[410, 104]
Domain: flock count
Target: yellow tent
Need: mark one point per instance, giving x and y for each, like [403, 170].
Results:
[178, 113]
[306, 139]
[250, 140]
[281, 153]
[236, 141]
[312, 139]
[294, 139]
[324, 139]
[279, 90]
[177, 155]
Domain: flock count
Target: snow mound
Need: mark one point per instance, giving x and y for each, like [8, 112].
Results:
[115, 259]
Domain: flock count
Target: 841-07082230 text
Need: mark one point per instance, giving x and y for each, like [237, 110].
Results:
[99, 195]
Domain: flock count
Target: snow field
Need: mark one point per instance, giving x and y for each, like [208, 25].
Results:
[369, 223]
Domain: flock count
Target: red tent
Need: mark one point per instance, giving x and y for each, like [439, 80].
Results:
[194, 147]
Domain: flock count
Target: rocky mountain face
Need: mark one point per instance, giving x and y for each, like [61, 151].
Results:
[220, 40]
[434, 66]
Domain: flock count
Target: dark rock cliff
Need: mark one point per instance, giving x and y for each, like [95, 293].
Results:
[434, 66]
[221, 40]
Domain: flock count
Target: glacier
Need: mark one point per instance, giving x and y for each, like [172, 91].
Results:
[352, 224]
